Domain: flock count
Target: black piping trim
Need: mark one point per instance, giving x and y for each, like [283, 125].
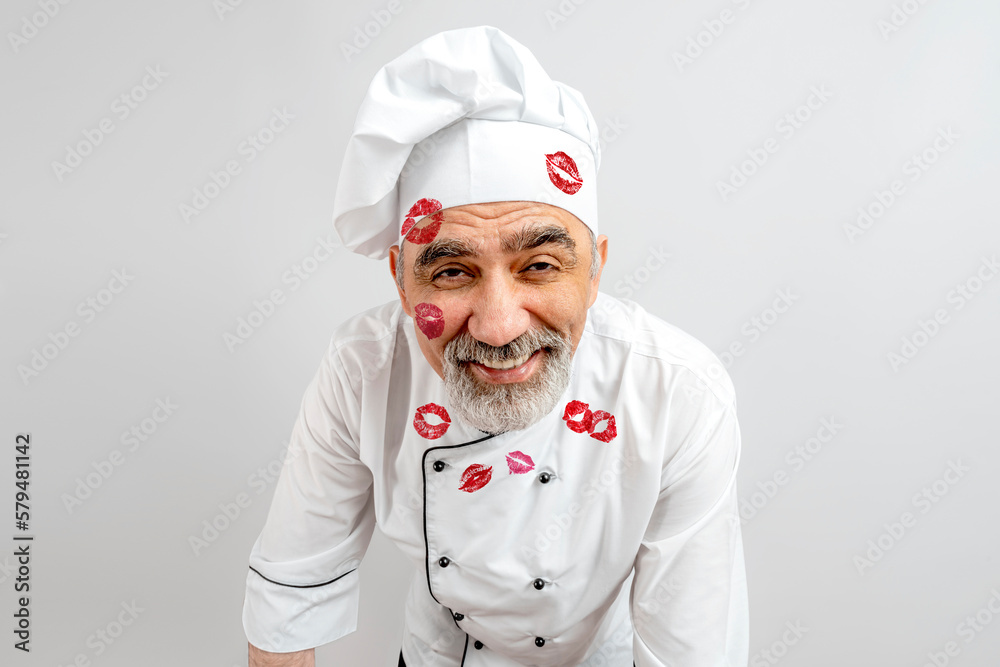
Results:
[466, 651]
[306, 585]
[423, 474]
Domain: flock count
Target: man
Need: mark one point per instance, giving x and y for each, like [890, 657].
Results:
[559, 465]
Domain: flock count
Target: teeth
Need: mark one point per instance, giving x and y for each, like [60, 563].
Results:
[506, 365]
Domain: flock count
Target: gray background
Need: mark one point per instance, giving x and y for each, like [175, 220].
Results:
[680, 130]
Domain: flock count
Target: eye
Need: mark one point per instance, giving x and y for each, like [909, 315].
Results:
[542, 267]
[452, 272]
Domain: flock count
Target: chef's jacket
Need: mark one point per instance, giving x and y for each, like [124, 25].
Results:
[607, 533]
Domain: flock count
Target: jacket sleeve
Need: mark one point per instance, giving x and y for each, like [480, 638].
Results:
[689, 596]
[302, 585]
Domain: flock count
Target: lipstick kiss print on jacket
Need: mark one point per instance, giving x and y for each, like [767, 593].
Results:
[431, 431]
[475, 477]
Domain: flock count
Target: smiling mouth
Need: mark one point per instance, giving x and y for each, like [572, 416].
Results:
[506, 365]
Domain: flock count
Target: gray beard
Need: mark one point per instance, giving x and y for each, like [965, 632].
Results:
[498, 408]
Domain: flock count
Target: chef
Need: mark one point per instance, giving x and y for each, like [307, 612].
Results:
[559, 465]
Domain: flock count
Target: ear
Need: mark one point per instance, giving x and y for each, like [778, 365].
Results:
[602, 250]
[393, 255]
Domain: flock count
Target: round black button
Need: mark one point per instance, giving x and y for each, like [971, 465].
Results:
[539, 584]
[478, 644]
[459, 617]
[444, 561]
[438, 466]
[544, 478]
[539, 642]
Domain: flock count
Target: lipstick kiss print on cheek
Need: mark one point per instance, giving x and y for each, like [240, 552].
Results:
[426, 233]
[577, 416]
[519, 463]
[430, 319]
[431, 431]
[610, 430]
[563, 172]
[421, 208]
[475, 477]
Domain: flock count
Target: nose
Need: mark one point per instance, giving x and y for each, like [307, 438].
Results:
[498, 313]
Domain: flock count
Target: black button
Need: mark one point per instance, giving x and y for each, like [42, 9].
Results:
[459, 617]
[478, 644]
[539, 642]
[544, 478]
[438, 466]
[539, 584]
[444, 561]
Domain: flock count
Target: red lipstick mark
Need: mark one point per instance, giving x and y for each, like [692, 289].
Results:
[559, 164]
[426, 233]
[519, 463]
[610, 430]
[475, 477]
[430, 319]
[579, 409]
[431, 431]
[421, 208]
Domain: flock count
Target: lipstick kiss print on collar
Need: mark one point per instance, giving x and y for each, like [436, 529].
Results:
[563, 172]
[430, 319]
[431, 431]
[421, 208]
[579, 418]
[475, 477]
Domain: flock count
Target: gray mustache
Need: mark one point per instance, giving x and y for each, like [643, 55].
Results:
[464, 347]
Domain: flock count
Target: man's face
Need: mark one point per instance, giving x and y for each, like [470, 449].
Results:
[499, 295]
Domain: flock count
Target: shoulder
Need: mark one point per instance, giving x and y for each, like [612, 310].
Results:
[653, 349]
[363, 345]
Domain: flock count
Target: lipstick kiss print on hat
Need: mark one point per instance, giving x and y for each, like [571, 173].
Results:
[475, 477]
[519, 463]
[430, 319]
[431, 431]
[563, 172]
[421, 208]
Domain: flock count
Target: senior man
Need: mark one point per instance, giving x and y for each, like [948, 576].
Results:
[559, 465]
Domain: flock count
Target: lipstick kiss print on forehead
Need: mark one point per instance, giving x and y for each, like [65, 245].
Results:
[430, 319]
[421, 208]
[563, 172]
[475, 477]
[431, 431]
[519, 463]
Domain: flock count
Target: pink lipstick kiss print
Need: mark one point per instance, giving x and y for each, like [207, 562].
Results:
[430, 319]
[475, 477]
[577, 416]
[427, 430]
[519, 463]
[563, 172]
[421, 208]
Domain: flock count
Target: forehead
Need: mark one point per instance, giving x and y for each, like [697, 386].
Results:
[491, 222]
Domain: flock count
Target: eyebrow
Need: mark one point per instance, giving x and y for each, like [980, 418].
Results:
[530, 237]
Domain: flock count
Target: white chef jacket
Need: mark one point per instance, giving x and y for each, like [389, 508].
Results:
[587, 545]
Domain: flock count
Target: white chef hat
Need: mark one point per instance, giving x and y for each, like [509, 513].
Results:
[464, 117]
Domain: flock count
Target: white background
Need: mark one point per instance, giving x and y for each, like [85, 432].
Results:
[682, 127]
